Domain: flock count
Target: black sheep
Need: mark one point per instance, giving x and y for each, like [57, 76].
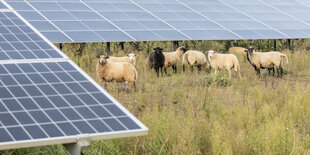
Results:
[157, 60]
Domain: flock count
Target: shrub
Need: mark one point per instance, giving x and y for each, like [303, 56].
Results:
[219, 80]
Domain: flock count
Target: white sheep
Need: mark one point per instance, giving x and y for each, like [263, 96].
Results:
[116, 71]
[221, 61]
[131, 58]
[171, 58]
[261, 60]
[238, 51]
[194, 58]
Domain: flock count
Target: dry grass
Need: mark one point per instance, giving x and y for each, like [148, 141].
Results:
[251, 115]
[191, 113]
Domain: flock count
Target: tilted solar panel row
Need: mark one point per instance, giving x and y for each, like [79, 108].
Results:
[141, 20]
[46, 99]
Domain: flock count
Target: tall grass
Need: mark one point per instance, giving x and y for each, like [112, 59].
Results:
[187, 113]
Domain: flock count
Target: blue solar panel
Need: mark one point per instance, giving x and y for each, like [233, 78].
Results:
[215, 19]
[19, 41]
[42, 101]
[2, 6]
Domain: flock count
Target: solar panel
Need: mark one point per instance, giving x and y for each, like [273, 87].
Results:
[2, 6]
[19, 41]
[130, 20]
[45, 98]
[48, 100]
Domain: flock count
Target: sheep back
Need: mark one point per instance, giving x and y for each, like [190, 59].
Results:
[119, 59]
[118, 71]
[237, 50]
[194, 58]
[224, 61]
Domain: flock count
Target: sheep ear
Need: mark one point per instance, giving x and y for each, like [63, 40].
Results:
[107, 57]
[127, 55]
[161, 49]
[154, 48]
[98, 56]
[136, 54]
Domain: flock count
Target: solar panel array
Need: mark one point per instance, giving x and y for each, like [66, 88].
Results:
[46, 99]
[141, 20]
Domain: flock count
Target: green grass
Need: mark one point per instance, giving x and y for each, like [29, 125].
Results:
[191, 113]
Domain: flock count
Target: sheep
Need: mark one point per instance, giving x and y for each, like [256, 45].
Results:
[131, 58]
[171, 58]
[116, 71]
[241, 51]
[220, 61]
[238, 51]
[194, 58]
[157, 60]
[265, 60]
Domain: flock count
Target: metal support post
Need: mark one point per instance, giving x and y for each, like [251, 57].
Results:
[108, 48]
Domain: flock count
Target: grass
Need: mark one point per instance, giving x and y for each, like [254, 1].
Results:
[191, 113]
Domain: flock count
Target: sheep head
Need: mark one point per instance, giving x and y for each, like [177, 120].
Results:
[103, 59]
[211, 53]
[158, 50]
[132, 56]
[182, 48]
[250, 50]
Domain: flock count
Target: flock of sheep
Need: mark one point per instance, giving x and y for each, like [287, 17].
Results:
[122, 69]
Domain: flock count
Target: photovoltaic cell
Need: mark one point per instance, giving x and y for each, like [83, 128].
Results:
[18, 41]
[64, 103]
[2, 6]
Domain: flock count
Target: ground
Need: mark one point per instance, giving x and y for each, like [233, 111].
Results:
[191, 113]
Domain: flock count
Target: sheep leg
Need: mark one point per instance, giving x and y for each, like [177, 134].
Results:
[229, 73]
[105, 85]
[161, 70]
[192, 68]
[183, 68]
[258, 71]
[273, 71]
[157, 71]
[280, 71]
[199, 68]
[165, 69]
[269, 69]
[175, 69]
[133, 85]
